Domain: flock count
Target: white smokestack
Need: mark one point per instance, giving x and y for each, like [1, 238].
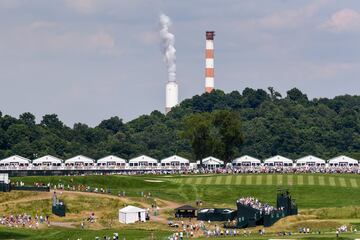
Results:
[167, 44]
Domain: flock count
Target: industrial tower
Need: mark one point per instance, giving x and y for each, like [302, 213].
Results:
[209, 61]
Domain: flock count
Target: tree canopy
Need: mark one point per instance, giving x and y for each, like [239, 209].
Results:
[226, 125]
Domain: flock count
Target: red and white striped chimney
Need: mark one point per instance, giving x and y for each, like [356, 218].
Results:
[209, 61]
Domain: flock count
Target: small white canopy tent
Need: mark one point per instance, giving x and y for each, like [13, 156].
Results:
[310, 161]
[175, 161]
[343, 161]
[79, 160]
[246, 161]
[15, 160]
[47, 160]
[211, 163]
[278, 161]
[131, 214]
[143, 160]
[111, 161]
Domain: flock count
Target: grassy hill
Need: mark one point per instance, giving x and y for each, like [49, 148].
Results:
[325, 202]
[310, 191]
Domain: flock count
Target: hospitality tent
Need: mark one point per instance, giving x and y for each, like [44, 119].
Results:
[47, 160]
[246, 161]
[15, 160]
[310, 161]
[343, 161]
[131, 214]
[175, 161]
[211, 162]
[143, 160]
[111, 161]
[278, 161]
[79, 160]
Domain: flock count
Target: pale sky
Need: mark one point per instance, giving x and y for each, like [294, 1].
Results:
[88, 60]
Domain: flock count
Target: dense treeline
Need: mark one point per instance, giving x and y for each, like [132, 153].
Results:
[255, 122]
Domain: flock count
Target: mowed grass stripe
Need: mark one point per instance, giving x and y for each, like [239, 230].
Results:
[332, 181]
[300, 180]
[228, 179]
[188, 180]
[239, 180]
[248, 180]
[213, 179]
[208, 180]
[218, 179]
[311, 180]
[203, 180]
[342, 182]
[353, 183]
[269, 180]
[258, 179]
[290, 180]
[321, 180]
[198, 180]
[279, 180]
[223, 179]
[233, 180]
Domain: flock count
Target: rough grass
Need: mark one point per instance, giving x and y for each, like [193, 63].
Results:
[73, 234]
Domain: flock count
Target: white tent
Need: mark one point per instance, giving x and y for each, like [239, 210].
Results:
[343, 161]
[131, 214]
[211, 162]
[278, 161]
[15, 160]
[310, 161]
[111, 161]
[143, 161]
[246, 161]
[79, 160]
[47, 160]
[174, 161]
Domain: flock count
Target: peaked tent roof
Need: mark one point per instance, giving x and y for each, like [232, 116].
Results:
[79, 158]
[246, 158]
[143, 158]
[212, 160]
[47, 158]
[175, 158]
[131, 209]
[111, 158]
[310, 158]
[343, 158]
[185, 207]
[15, 159]
[278, 158]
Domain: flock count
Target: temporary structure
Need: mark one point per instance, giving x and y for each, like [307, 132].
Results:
[47, 160]
[310, 161]
[246, 161]
[278, 161]
[175, 161]
[111, 161]
[343, 161]
[15, 161]
[79, 160]
[211, 162]
[143, 160]
[131, 214]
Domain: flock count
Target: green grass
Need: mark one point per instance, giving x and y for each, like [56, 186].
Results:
[73, 234]
[310, 191]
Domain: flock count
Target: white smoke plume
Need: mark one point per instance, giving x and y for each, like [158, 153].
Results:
[167, 44]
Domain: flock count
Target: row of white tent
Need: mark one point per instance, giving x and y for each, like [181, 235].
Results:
[175, 160]
[49, 160]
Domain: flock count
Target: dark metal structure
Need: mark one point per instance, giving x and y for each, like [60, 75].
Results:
[185, 211]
